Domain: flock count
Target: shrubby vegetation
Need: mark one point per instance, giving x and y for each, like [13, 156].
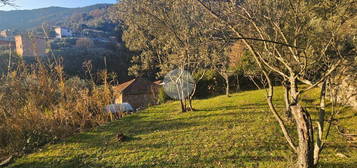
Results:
[39, 104]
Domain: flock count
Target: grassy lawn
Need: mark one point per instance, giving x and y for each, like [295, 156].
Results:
[238, 131]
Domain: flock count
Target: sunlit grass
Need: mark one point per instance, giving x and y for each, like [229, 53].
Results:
[238, 131]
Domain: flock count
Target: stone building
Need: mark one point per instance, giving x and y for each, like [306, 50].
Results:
[137, 92]
[30, 46]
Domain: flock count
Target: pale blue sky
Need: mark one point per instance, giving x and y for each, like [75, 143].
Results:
[34, 4]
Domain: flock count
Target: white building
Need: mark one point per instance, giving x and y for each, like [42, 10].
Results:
[7, 34]
[62, 32]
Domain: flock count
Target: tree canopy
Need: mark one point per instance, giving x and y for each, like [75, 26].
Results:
[292, 42]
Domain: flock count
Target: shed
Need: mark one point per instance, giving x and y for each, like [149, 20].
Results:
[138, 92]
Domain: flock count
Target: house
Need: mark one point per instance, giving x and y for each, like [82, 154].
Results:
[30, 46]
[6, 34]
[3, 34]
[63, 32]
[137, 92]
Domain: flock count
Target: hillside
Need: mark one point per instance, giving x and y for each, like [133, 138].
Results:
[238, 131]
[30, 19]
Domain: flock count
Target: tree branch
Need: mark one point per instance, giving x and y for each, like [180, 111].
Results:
[327, 74]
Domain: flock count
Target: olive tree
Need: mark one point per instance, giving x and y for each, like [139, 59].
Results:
[167, 35]
[299, 41]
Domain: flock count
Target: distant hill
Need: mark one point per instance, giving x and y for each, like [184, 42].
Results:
[30, 19]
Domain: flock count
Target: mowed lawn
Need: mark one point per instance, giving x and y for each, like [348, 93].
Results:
[236, 131]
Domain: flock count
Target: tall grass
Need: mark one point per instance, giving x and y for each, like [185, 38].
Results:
[38, 105]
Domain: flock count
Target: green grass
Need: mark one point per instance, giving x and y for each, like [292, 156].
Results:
[238, 131]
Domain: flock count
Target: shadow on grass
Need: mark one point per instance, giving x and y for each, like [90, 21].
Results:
[257, 158]
[338, 165]
[133, 127]
[240, 107]
[75, 162]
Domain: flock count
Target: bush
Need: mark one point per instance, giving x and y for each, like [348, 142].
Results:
[39, 105]
[162, 96]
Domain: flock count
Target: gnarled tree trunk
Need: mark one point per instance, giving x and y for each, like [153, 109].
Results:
[305, 148]
[319, 143]
[190, 97]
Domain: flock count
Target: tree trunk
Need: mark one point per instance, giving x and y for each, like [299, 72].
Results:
[238, 84]
[270, 94]
[226, 78]
[319, 143]
[305, 150]
[287, 101]
[191, 97]
[183, 106]
[181, 97]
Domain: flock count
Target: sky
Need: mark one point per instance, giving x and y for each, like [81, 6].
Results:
[35, 4]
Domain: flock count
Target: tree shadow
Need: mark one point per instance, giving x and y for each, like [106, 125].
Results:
[337, 165]
[254, 106]
[346, 117]
[62, 162]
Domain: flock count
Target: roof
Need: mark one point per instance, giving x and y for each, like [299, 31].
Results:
[159, 82]
[135, 86]
[123, 86]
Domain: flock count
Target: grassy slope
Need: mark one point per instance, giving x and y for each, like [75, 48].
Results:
[226, 132]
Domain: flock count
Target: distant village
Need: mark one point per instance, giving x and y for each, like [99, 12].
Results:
[31, 45]
[138, 92]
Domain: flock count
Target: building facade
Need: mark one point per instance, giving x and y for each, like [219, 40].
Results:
[5, 34]
[30, 46]
[63, 32]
